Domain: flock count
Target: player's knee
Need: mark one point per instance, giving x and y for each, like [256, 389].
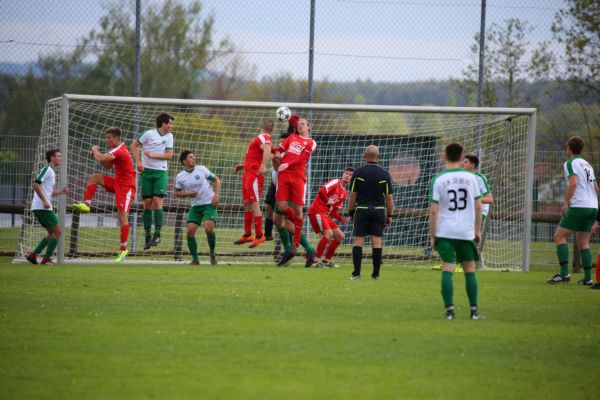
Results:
[339, 236]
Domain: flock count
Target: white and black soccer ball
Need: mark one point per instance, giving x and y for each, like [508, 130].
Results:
[283, 113]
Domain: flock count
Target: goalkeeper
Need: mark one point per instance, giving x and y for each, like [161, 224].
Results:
[122, 184]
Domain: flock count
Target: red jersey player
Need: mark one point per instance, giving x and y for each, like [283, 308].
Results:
[122, 184]
[291, 183]
[329, 199]
[255, 165]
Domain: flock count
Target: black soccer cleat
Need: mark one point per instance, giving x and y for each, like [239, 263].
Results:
[148, 243]
[585, 283]
[475, 315]
[213, 259]
[595, 286]
[558, 278]
[155, 241]
[286, 258]
[32, 258]
[375, 277]
[311, 260]
[449, 315]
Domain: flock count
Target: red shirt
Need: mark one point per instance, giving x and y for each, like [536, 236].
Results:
[123, 166]
[298, 150]
[254, 155]
[329, 199]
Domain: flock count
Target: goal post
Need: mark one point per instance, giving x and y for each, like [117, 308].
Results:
[410, 138]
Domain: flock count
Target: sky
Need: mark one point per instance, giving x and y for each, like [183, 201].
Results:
[379, 40]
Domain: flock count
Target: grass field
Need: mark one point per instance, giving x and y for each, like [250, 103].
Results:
[256, 332]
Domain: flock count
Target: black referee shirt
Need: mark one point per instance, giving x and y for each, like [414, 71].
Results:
[371, 184]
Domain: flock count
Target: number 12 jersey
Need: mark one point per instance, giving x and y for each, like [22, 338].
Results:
[455, 190]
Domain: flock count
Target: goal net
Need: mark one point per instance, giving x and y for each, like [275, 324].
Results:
[410, 140]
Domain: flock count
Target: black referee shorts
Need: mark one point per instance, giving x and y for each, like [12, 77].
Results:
[369, 222]
[270, 197]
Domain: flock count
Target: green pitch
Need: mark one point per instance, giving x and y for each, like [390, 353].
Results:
[260, 332]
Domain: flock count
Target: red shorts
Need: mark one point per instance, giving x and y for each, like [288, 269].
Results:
[321, 222]
[252, 184]
[124, 193]
[291, 188]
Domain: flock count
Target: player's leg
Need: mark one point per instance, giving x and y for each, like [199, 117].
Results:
[124, 196]
[583, 243]
[194, 220]
[247, 197]
[90, 191]
[269, 207]
[32, 256]
[284, 236]
[54, 232]
[317, 225]
[446, 251]
[159, 192]
[209, 220]
[467, 255]
[562, 251]
[360, 232]
[338, 238]
[146, 186]
[257, 220]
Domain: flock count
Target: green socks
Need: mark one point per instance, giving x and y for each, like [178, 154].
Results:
[284, 235]
[147, 217]
[471, 284]
[159, 217]
[212, 242]
[52, 243]
[562, 251]
[193, 246]
[447, 288]
[306, 244]
[586, 261]
[41, 245]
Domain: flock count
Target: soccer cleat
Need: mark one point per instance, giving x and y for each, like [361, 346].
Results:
[354, 277]
[329, 264]
[585, 283]
[213, 259]
[375, 277]
[459, 268]
[437, 267]
[311, 260]
[32, 258]
[558, 278]
[257, 241]
[595, 286]
[449, 315]
[155, 241]
[286, 258]
[244, 239]
[148, 243]
[121, 257]
[47, 261]
[82, 207]
[195, 262]
[475, 315]
[269, 237]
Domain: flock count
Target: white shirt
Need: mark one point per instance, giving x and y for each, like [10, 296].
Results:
[455, 190]
[585, 195]
[47, 179]
[197, 180]
[155, 142]
[485, 189]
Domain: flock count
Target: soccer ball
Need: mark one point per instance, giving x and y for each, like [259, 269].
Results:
[283, 113]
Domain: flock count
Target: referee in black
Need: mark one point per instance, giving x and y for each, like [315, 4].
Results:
[371, 206]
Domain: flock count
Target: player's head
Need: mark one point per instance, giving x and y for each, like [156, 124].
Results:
[575, 145]
[54, 157]
[453, 152]
[164, 122]
[372, 153]
[303, 127]
[187, 159]
[347, 175]
[112, 136]
[471, 162]
[266, 125]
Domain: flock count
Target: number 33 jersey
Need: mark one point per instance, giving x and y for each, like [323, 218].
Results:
[455, 190]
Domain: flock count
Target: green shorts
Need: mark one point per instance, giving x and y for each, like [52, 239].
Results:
[46, 218]
[579, 219]
[199, 214]
[154, 183]
[456, 250]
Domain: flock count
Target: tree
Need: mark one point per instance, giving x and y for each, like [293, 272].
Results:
[504, 66]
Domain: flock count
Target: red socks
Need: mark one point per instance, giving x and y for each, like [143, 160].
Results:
[124, 237]
[258, 226]
[333, 245]
[321, 247]
[248, 216]
[90, 191]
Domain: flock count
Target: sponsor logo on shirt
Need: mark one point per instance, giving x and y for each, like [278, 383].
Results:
[296, 148]
[197, 177]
